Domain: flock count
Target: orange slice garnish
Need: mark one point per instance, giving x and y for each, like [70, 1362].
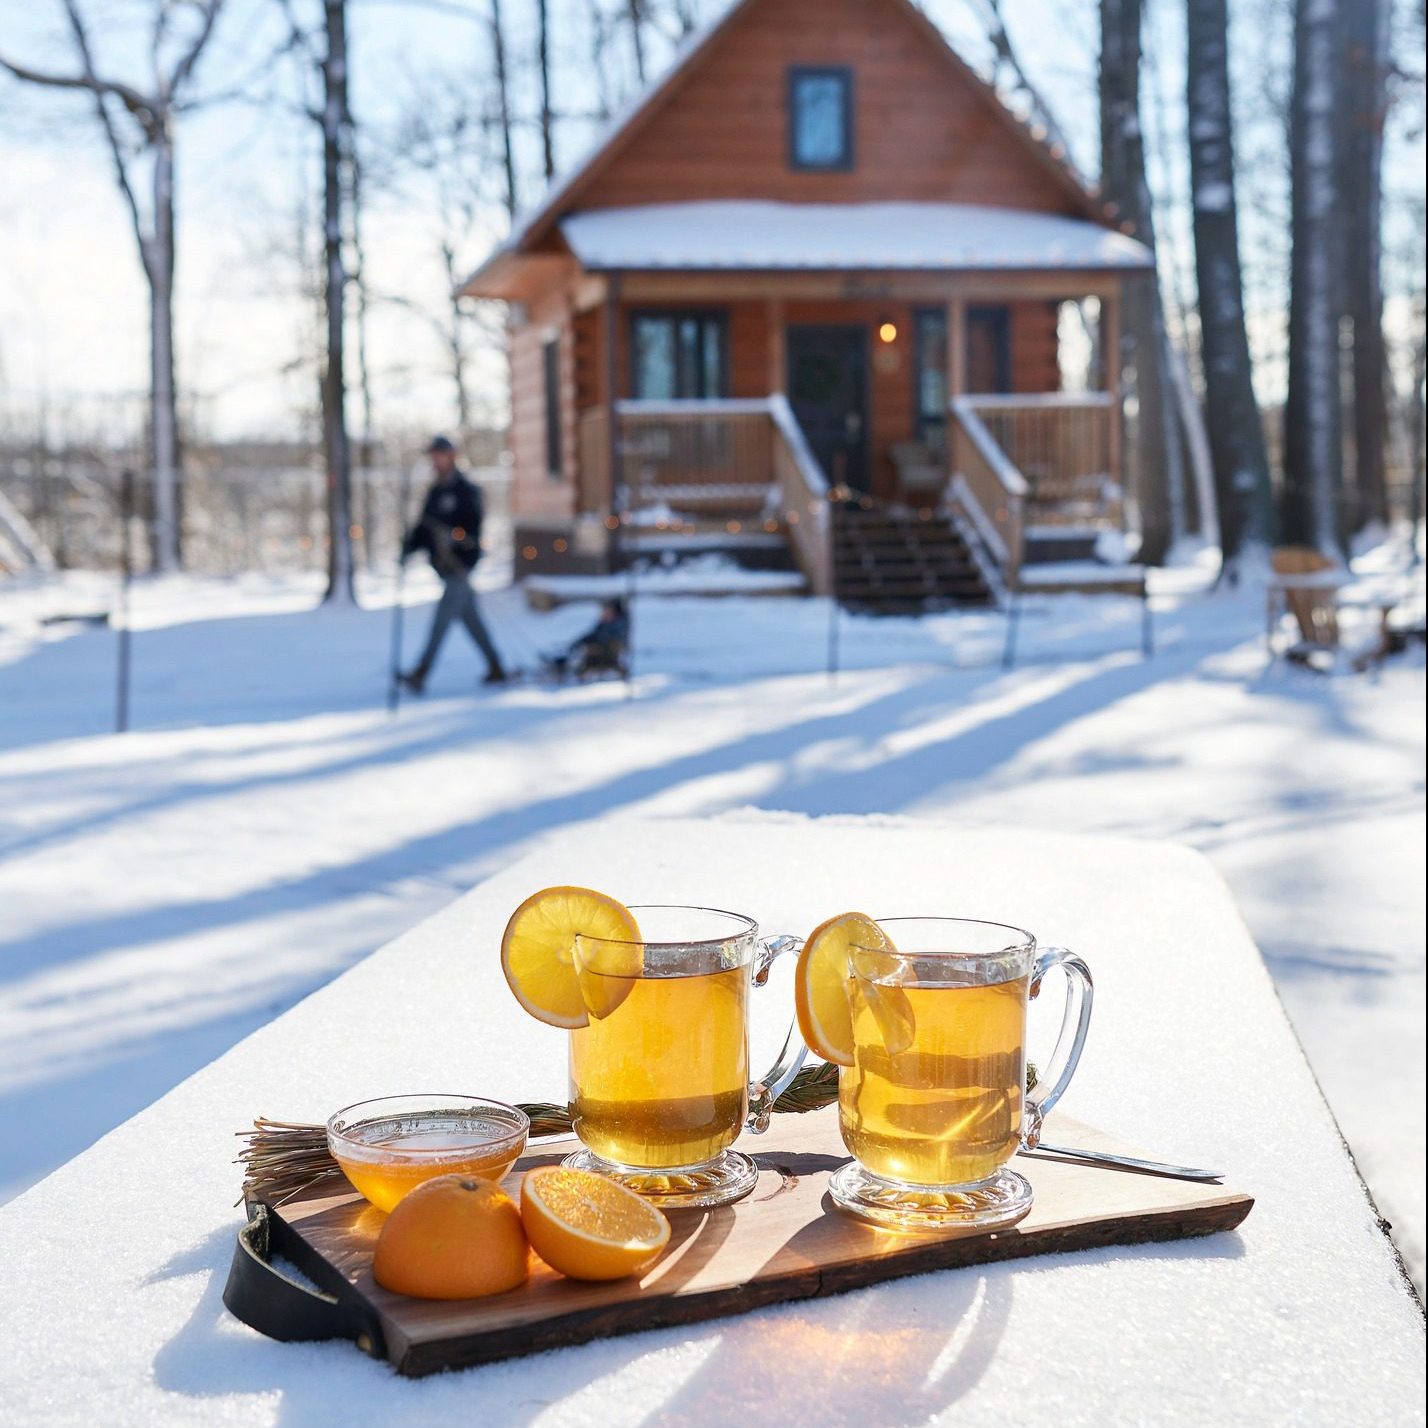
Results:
[538, 954]
[823, 992]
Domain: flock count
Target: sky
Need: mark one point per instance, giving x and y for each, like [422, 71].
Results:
[73, 316]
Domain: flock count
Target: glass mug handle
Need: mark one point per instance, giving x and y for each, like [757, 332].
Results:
[1075, 1021]
[777, 1079]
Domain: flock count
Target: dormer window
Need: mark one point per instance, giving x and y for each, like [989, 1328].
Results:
[820, 118]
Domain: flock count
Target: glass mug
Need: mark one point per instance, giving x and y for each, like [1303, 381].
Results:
[935, 1103]
[659, 1079]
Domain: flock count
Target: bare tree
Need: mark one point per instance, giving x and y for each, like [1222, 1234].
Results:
[1364, 108]
[547, 118]
[138, 123]
[1313, 450]
[445, 157]
[1161, 493]
[503, 100]
[1009, 73]
[635, 12]
[336, 155]
[1237, 447]
[332, 113]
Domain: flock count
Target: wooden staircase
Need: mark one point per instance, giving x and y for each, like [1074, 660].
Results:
[890, 561]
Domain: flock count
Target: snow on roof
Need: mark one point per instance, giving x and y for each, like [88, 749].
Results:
[757, 234]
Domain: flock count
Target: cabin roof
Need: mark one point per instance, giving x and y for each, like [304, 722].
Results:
[759, 235]
[537, 225]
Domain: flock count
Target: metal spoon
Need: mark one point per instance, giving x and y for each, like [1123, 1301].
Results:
[1127, 1162]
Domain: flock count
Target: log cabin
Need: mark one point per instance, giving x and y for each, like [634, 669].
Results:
[803, 302]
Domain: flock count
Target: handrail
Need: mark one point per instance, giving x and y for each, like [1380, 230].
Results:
[692, 406]
[992, 401]
[989, 493]
[1002, 464]
[787, 423]
[800, 481]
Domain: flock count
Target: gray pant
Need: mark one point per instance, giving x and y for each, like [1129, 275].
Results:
[458, 602]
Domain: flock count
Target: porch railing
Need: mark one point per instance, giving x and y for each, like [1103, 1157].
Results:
[1061, 443]
[989, 496]
[712, 458]
[802, 492]
[718, 460]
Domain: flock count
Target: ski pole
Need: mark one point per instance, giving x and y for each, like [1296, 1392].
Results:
[394, 685]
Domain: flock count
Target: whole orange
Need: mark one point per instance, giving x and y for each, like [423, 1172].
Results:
[455, 1237]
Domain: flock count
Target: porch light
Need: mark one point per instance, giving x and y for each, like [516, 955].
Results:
[887, 332]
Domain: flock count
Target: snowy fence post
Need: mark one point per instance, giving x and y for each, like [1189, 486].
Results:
[126, 571]
[833, 629]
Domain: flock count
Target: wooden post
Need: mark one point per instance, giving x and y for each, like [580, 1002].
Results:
[778, 352]
[612, 401]
[957, 347]
[956, 371]
[1111, 380]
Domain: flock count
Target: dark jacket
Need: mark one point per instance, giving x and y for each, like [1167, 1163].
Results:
[449, 529]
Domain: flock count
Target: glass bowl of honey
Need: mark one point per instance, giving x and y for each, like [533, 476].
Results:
[389, 1146]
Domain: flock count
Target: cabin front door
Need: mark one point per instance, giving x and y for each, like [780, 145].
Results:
[828, 391]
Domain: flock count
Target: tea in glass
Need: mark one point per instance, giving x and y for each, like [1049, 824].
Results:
[659, 1077]
[947, 1109]
[661, 1081]
[934, 1106]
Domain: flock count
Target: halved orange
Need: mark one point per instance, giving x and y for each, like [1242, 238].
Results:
[822, 989]
[589, 1226]
[538, 953]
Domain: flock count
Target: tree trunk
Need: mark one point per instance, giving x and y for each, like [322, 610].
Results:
[455, 339]
[1313, 452]
[158, 258]
[599, 48]
[503, 99]
[1160, 464]
[547, 122]
[336, 446]
[1237, 447]
[636, 11]
[1364, 40]
[364, 505]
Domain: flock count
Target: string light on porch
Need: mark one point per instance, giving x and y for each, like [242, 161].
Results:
[887, 332]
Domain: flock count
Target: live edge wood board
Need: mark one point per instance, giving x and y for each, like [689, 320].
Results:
[784, 1242]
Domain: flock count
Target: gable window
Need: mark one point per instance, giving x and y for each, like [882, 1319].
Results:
[550, 363]
[820, 118]
[678, 355]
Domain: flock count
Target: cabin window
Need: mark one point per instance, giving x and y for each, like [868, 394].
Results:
[820, 118]
[550, 359]
[678, 355]
[930, 375]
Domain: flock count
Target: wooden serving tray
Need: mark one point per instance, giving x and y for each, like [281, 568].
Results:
[785, 1241]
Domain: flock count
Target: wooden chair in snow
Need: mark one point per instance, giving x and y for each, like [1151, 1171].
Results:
[1305, 583]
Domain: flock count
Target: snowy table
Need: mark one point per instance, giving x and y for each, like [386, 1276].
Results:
[112, 1268]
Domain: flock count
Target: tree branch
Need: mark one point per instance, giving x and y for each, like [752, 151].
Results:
[129, 97]
[184, 68]
[145, 113]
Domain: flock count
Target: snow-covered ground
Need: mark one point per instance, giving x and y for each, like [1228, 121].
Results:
[267, 822]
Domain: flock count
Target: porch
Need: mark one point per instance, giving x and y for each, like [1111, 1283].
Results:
[1017, 480]
[731, 370]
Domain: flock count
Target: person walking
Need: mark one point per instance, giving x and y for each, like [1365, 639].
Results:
[449, 531]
